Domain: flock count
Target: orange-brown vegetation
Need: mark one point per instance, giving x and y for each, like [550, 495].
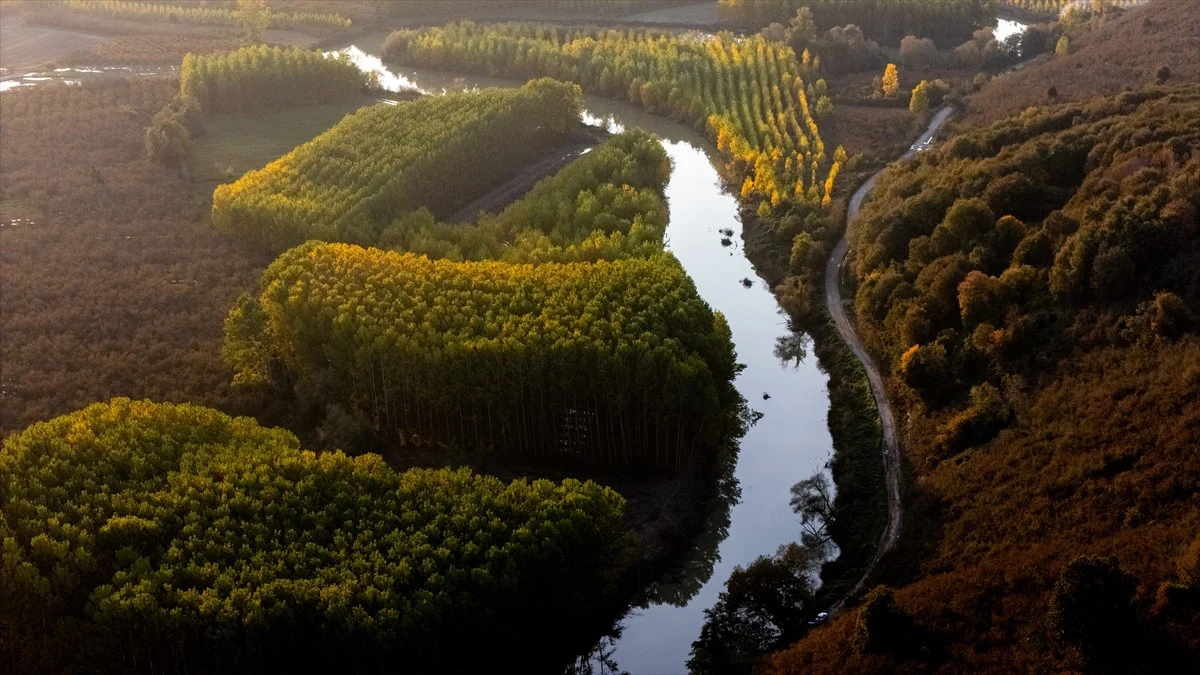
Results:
[153, 49]
[1032, 286]
[112, 284]
[874, 132]
[1108, 55]
[1101, 461]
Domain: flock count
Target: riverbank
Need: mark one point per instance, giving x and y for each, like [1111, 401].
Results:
[867, 508]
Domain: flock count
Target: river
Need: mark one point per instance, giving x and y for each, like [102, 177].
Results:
[789, 442]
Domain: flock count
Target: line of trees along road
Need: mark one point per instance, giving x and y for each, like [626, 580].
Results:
[168, 538]
[263, 77]
[605, 205]
[613, 363]
[439, 152]
[751, 94]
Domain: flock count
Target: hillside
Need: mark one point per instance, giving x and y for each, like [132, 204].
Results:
[1115, 53]
[1048, 370]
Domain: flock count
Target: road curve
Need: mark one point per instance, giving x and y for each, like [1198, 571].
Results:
[833, 300]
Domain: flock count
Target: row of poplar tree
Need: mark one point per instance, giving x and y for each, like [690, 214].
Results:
[749, 93]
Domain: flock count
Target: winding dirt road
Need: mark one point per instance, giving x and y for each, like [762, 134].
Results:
[833, 299]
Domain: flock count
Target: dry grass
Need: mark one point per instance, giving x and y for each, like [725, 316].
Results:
[117, 287]
[1121, 52]
[878, 133]
[165, 48]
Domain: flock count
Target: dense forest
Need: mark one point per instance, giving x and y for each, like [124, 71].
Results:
[262, 77]
[1073, 223]
[352, 181]
[754, 96]
[605, 205]
[159, 538]
[616, 363]
[1032, 287]
[946, 22]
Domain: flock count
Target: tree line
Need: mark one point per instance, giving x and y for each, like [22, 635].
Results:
[160, 538]
[219, 16]
[264, 77]
[750, 94]
[439, 152]
[607, 204]
[613, 363]
[1053, 9]
[947, 22]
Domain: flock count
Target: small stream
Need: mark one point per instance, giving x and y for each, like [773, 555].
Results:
[791, 440]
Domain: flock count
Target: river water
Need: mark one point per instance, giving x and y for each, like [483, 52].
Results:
[789, 442]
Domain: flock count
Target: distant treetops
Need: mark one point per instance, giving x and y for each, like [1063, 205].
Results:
[174, 535]
[749, 93]
[605, 205]
[193, 13]
[263, 77]
[947, 22]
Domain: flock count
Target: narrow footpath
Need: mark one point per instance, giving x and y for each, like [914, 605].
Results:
[833, 299]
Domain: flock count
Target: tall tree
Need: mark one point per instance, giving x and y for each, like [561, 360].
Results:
[253, 15]
[891, 80]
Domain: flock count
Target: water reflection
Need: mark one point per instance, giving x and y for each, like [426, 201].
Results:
[792, 348]
[1006, 28]
[78, 75]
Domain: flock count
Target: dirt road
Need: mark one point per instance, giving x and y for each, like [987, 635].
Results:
[516, 187]
[833, 299]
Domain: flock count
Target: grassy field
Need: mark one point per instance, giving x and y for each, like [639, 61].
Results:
[236, 143]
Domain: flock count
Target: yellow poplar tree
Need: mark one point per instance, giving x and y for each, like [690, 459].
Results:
[891, 80]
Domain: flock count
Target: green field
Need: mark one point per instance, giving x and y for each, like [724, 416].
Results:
[235, 143]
